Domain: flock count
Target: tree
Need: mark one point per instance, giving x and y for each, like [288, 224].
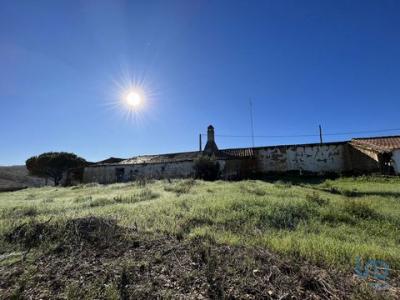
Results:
[206, 168]
[53, 165]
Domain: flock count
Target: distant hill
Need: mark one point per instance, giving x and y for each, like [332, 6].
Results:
[16, 177]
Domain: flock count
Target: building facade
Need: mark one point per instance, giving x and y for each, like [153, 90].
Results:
[359, 156]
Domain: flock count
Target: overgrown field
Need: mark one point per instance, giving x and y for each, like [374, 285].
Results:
[193, 239]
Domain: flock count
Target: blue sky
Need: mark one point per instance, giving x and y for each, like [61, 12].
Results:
[303, 63]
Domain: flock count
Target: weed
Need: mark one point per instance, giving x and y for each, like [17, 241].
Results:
[251, 189]
[182, 187]
[315, 198]
[361, 210]
[48, 200]
[29, 234]
[30, 196]
[336, 217]
[142, 195]
[286, 216]
[123, 282]
[20, 212]
[282, 184]
[83, 199]
[100, 202]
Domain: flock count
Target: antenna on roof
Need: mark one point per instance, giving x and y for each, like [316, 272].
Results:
[200, 144]
[320, 134]
[251, 122]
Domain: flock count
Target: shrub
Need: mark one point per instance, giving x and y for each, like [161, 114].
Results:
[143, 195]
[316, 199]
[337, 216]
[100, 202]
[251, 189]
[282, 184]
[360, 210]
[206, 168]
[287, 216]
[183, 187]
[19, 212]
[82, 199]
[349, 193]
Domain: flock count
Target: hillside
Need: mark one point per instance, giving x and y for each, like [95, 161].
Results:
[15, 177]
[196, 240]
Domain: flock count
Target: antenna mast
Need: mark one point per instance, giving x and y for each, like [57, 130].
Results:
[251, 121]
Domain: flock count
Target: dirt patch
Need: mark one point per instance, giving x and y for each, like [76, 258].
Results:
[102, 260]
[88, 231]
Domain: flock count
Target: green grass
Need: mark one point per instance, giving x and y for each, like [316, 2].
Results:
[329, 224]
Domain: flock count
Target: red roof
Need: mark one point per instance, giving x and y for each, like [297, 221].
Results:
[378, 144]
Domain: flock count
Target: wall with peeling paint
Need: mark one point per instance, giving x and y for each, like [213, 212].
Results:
[107, 173]
[314, 158]
[311, 158]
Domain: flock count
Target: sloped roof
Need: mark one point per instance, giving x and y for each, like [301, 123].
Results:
[161, 158]
[187, 156]
[111, 160]
[377, 144]
[240, 152]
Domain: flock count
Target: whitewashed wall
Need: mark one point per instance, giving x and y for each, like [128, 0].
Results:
[308, 158]
[311, 158]
[396, 161]
[107, 174]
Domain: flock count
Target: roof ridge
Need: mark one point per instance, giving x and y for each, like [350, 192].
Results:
[377, 137]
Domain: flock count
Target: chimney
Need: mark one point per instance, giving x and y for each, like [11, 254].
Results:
[210, 134]
[211, 146]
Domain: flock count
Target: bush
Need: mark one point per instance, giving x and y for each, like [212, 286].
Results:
[287, 216]
[361, 210]
[183, 187]
[206, 168]
[335, 216]
[143, 195]
[249, 188]
[316, 199]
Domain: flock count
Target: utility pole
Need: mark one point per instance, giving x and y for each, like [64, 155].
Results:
[200, 146]
[320, 134]
[251, 121]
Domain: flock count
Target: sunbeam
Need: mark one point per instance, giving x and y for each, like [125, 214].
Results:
[131, 97]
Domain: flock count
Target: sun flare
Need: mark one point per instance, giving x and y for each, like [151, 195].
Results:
[133, 99]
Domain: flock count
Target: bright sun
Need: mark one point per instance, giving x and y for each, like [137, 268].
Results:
[133, 99]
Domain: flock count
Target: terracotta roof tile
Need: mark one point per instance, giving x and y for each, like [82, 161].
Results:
[378, 144]
[240, 152]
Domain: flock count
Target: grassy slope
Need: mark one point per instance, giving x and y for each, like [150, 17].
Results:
[329, 224]
[17, 176]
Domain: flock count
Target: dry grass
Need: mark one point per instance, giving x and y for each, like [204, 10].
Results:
[309, 222]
